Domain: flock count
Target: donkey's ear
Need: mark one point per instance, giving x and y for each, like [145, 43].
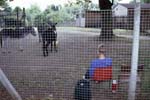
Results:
[55, 23]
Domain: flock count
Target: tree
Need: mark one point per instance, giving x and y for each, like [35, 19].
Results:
[54, 8]
[8, 10]
[84, 3]
[60, 15]
[38, 19]
[17, 11]
[94, 6]
[106, 12]
[32, 12]
[3, 2]
[107, 28]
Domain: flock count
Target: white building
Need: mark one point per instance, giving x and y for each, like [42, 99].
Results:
[120, 10]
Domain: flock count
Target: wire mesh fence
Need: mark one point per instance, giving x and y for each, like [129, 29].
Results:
[54, 76]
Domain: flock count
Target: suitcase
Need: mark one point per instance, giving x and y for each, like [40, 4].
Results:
[82, 90]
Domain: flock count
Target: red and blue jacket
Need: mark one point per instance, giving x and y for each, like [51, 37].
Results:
[98, 63]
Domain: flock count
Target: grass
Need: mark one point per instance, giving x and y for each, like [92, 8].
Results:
[95, 30]
[145, 89]
[146, 79]
[48, 98]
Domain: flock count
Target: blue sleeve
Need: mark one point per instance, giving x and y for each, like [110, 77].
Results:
[96, 63]
[91, 69]
[109, 61]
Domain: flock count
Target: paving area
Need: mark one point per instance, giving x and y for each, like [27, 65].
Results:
[56, 75]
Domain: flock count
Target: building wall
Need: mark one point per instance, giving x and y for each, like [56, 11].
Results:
[120, 10]
[94, 19]
[80, 22]
[145, 19]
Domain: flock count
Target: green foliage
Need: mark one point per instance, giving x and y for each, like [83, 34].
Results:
[31, 13]
[93, 6]
[85, 4]
[145, 1]
[38, 19]
[52, 13]
[55, 13]
[3, 2]
[54, 8]
[8, 9]
[15, 10]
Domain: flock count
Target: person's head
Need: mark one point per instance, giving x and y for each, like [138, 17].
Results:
[101, 49]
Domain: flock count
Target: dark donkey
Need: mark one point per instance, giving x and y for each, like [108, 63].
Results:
[49, 36]
[18, 33]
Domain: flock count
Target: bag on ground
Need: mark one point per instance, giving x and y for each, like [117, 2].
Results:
[82, 90]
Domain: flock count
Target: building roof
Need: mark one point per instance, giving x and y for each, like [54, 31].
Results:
[131, 6]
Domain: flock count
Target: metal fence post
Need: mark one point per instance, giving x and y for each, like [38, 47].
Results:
[9, 87]
[135, 52]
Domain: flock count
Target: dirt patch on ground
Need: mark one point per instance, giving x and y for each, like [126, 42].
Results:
[56, 75]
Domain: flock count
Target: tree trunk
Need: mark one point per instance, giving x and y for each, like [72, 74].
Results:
[106, 12]
[24, 17]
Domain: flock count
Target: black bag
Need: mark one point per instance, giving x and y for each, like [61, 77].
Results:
[82, 90]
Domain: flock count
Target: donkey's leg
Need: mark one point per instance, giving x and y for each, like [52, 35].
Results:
[20, 44]
[1, 40]
[55, 46]
[51, 45]
[48, 43]
[44, 48]
[44, 51]
[40, 37]
[4, 44]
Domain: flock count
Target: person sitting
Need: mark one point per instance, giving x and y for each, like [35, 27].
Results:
[101, 62]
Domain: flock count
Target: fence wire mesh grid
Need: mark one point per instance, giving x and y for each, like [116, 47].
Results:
[40, 72]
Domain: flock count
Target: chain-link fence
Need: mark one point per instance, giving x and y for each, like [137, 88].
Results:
[54, 77]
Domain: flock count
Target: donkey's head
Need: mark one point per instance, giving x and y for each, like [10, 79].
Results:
[53, 26]
[30, 29]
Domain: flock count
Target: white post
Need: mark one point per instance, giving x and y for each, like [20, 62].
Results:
[8, 86]
[135, 52]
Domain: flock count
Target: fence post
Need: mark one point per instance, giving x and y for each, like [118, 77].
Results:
[9, 87]
[135, 52]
